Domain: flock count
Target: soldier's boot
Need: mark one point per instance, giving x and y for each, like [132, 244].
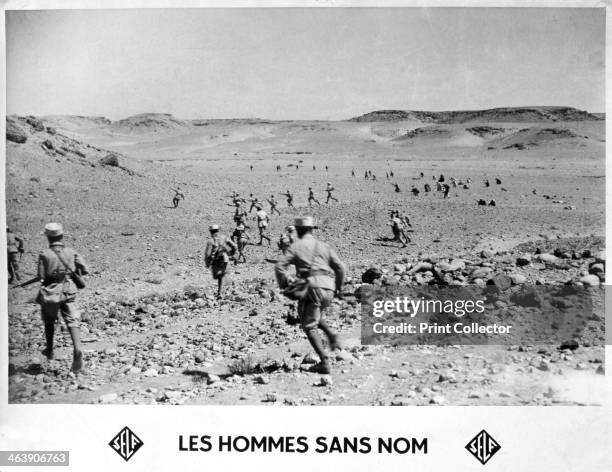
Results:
[323, 367]
[77, 360]
[49, 336]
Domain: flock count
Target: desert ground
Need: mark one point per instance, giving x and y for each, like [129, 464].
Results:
[153, 331]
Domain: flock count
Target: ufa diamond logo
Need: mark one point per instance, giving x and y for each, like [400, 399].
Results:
[483, 446]
[126, 443]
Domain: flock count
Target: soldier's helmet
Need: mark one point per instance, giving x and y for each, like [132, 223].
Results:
[212, 228]
[53, 229]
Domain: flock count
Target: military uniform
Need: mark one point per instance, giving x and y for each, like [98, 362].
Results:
[240, 238]
[262, 224]
[14, 247]
[51, 270]
[325, 273]
[287, 239]
[217, 254]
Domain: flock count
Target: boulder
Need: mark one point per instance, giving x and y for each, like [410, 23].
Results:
[548, 258]
[370, 275]
[15, 133]
[518, 279]
[523, 260]
[590, 280]
[501, 281]
[111, 160]
[35, 123]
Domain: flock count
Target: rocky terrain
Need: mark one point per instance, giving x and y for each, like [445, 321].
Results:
[153, 331]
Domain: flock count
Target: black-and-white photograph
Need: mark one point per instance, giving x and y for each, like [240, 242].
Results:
[257, 206]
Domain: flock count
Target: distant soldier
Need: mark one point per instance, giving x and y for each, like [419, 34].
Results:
[318, 265]
[415, 191]
[391, 174]
[263, 220]
[454, 182]
[240, 237]
[367, 176]
[497, 180]
[422, 175]
[438, 187]
[427, 188]
[373, 177]
[441, 178]
[314, 167]
[397, 228]
[251, 168]
[311, 197]
[14, 250]
[287, 239]
[446, 190]
[289, 198]
[387, 175]
[178, 196]
[397, 188]
[56, 266]
[469, 180]
[487, 183]
[240, 214]
[218, 252]
[273, 203]
[352, 172]
[326, 169]
[254, 202]
[329, 189]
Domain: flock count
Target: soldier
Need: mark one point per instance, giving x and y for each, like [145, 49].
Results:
[397, 227]
[254, 202]
[397, 188]
[287, 239]
[366, 175]
[311, 197]
[251, 168]
[273, 204]
[422, 175]
[326, 169]
[263, 220]
[217, 255]
[352, 172]
[497, 180]
[289, 198]
[240, 214]
[329, 189]
[391, 174]
[56, 266]
[446, 190]
[441, 178]
[373, 176]
[240, 237]
[487, 183]
[415, 191]
[178, 196]
[14, 246]
[427, 188]
[318, 264]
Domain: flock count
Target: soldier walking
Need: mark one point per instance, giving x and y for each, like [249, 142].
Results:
[318, 265]
[56, 266]
[329, 189]
[14, 246]
[312, 198]
[397, 228]
[217, 255]
[273, 203]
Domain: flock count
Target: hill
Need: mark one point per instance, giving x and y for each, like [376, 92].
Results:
[504, 115]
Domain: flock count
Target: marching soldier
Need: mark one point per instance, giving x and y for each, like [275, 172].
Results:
[56, 266]
[217, 255]
[311, 197]
[318, 265]
[263, 220]
[289, 198]
[14, 246]
[273, 204]
[240, 237]
[287, 239]
[329, 189]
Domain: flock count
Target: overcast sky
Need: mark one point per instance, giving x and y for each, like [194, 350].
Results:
[328, 63]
